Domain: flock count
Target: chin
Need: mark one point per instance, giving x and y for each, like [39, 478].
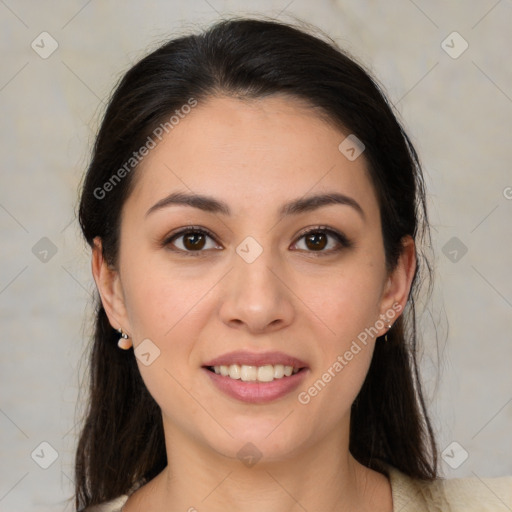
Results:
[264, 440]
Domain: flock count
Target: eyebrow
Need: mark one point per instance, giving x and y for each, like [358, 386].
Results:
[297, 206]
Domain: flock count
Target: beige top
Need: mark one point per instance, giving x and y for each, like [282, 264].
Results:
[410, 495]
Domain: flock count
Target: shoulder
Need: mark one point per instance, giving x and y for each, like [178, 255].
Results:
[110, 506]
[450, 495]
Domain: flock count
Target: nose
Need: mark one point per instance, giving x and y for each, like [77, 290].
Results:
[256, 297]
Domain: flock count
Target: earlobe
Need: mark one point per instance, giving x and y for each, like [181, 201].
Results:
[398, 285]
[109, 288]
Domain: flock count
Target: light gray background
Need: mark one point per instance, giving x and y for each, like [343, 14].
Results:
[457, 110]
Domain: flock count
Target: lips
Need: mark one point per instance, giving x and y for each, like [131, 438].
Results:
[241, 357]
[263, 390]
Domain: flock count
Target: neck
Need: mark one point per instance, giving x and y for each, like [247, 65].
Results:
[324, 476]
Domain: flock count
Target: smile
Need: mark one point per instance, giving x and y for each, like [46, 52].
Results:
[256, 377]
[249, 373]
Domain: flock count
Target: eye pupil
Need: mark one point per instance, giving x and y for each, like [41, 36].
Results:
[316, 241]
[193, 241]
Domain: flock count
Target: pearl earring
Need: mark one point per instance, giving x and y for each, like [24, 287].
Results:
[124, 342]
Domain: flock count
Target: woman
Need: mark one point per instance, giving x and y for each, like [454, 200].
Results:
[255, 213]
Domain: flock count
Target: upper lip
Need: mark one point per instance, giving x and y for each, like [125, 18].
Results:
[242, 357]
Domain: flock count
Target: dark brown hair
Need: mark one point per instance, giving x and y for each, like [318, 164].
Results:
[122, 444]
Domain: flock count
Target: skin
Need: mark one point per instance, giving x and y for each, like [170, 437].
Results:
[254, 156]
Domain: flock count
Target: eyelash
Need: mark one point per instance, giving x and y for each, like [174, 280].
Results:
[344, 242]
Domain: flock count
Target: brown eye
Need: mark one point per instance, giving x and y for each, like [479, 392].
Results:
[191, 240]
[194, 241]
[322, 240]
[316, 241]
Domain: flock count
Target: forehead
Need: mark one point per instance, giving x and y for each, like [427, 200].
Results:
[253, 154]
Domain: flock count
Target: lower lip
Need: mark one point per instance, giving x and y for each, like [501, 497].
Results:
[257, 392]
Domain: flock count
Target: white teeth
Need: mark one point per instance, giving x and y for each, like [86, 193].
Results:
[278, 371]
[234, 371]
[266, 373]
[248, 373]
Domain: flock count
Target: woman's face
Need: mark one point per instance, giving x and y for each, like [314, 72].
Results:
[223, 273]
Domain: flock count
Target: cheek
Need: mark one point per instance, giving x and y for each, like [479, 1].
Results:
[170, 309]
[158, 300]
[347, 299]
[347, 303]
[169, 312]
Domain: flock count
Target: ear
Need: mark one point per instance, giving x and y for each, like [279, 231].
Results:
[398, 285]
[110, 289]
